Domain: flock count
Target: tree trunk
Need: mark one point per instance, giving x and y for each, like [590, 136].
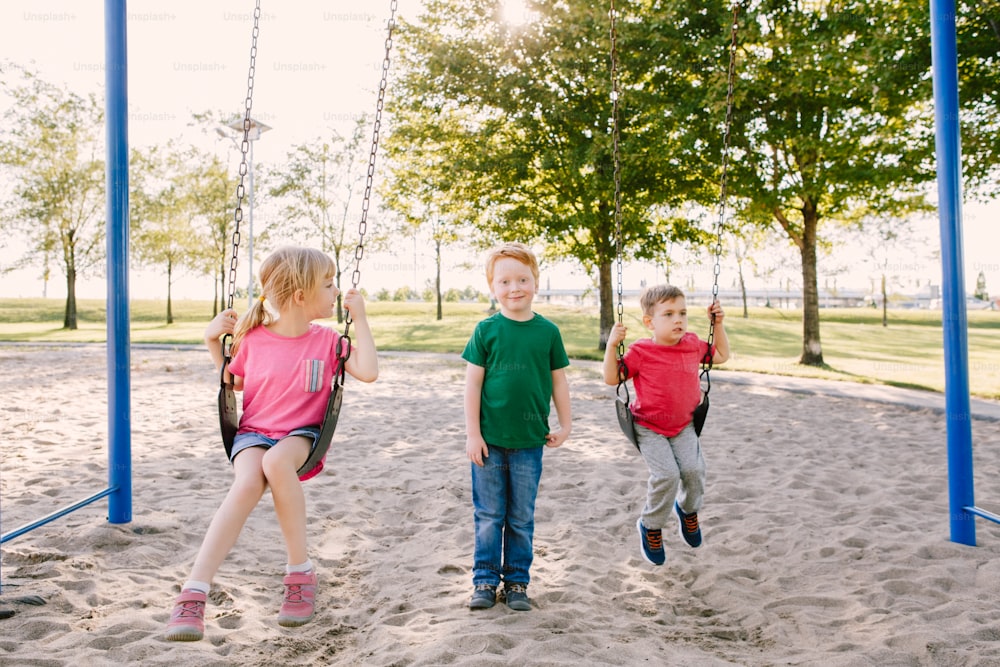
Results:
[340, 296]
[437, 278]
[607, 301]
[222, 285]
[812, 350]
[170, 282]
[885, 304]
[743, 293]
[69, 319]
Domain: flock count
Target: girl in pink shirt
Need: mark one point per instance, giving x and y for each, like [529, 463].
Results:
[283, 363]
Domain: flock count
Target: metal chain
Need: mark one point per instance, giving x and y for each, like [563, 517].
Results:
[245, 148]
[370, 178]
[720, 223]
[616, 157]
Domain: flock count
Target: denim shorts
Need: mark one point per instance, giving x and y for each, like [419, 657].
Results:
[250, 439]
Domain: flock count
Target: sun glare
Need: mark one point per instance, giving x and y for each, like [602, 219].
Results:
[516, 12]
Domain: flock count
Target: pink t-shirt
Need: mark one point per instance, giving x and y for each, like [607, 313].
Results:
[666, 382]
[286, 381]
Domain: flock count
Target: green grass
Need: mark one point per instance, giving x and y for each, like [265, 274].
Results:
[856, 347]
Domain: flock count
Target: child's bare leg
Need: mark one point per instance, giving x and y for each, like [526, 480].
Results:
[280, 466]
[247, 489]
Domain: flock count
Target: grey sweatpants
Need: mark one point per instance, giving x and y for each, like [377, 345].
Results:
[676, 472]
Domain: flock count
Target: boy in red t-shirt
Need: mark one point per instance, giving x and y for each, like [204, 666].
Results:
[664, 371]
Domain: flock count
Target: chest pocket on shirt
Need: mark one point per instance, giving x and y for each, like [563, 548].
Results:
[312, 371]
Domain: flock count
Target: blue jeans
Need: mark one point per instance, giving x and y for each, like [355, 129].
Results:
[503, 495]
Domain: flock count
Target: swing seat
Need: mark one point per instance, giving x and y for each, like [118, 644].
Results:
[229, 424]
[625, 418]
[229, 420]
[314, 464]
[700, 413]
[626, 421]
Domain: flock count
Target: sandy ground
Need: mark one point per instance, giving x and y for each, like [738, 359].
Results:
[826, 530]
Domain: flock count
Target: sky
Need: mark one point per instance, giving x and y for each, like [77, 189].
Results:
[317, 71]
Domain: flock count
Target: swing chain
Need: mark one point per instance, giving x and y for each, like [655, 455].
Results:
[245, 149]
[726, 136]
[370, 177]
[616, 158]
[240, 188]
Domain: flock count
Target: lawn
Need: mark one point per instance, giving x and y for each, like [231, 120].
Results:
[856, 347]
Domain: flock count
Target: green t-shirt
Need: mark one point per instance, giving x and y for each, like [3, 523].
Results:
[518, 358]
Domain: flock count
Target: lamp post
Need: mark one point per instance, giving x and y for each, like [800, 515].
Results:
[256, 129]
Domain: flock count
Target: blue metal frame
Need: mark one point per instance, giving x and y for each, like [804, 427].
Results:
[119, 359]
[961, 495]
[119, 491]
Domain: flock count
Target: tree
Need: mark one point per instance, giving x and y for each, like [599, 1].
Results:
[981, 293]
[210, 197]
[520, 116]
[316, 187]
[410, 192]
[179, 197]
[977, 24]
[50, 144]
[828, 115]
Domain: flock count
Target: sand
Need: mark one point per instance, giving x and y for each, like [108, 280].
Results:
[825, 522]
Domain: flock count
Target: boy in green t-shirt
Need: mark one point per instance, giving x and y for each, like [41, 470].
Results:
[516, 369]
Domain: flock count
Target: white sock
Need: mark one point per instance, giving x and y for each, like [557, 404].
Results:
[298, 569]
[193, 585]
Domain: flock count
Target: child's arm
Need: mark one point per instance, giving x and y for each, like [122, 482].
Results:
[560, 396]
[363, 362]
[475, 446]
[616, 336]
[221, 325]
[721, 339]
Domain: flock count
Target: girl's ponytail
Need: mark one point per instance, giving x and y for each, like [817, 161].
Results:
[255, 317]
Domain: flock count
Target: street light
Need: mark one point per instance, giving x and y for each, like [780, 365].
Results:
[256, 129]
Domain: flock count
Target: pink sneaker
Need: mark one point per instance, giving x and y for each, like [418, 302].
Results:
[187, 622]
[300, 599]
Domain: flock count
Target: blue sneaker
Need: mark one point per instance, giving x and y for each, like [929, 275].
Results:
[652, 543]
[484, 597]
[688, 526]
[517, 597]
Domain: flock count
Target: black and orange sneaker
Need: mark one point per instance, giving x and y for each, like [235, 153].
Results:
[688, 528]
[652, 543]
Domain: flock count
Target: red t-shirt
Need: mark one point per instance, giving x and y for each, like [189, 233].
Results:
[666, 382]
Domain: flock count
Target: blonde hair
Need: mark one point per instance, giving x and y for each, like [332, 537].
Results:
[655, 294]
[284, 272]
[514, 250]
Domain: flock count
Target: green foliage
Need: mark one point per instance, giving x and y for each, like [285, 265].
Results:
[404, 294]
[981, 293]
[827, 115]
[512, 127]
[179, 206]
[50, 154]
[316, 188]
[978, 35]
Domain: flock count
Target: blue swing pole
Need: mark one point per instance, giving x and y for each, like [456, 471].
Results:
[119, 361]
[119, 491]
[956, 356]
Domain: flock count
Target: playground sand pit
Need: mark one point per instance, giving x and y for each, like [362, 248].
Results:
[826, 528]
